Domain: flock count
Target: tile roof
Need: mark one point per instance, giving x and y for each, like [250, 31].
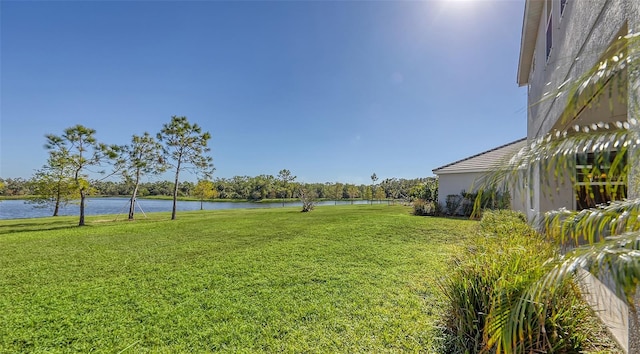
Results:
[483, 161]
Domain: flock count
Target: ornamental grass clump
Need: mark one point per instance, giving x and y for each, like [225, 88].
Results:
[488, 282]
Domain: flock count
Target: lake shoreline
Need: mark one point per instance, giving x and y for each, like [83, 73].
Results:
[24, 209]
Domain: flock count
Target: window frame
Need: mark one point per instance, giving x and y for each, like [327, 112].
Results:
[549, 37]
[584, 163]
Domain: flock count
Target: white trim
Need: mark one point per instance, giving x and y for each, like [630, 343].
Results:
[462, 171]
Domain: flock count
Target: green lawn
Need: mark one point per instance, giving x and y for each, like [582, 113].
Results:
[339, 279]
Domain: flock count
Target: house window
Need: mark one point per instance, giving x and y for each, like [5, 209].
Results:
[549, 37]
[598, 179]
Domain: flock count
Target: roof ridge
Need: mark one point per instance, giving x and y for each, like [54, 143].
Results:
[479, 154]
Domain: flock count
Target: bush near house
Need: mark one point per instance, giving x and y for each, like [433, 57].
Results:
[423, 207]
[452, 204]
[489, 279]
[465, 203]
[425, 199]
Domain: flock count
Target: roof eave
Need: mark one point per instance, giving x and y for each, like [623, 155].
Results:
[447, 167]
[471, 170]
[530, 24]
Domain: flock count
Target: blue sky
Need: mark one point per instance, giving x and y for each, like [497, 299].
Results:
[333, 91]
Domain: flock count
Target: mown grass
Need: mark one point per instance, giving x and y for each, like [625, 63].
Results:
[340, 279]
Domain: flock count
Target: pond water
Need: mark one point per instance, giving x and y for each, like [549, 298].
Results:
[20, 209]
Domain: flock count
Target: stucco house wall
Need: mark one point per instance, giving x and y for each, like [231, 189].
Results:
[582, 33]
[468, 174]
[454, 183]
[580, 36]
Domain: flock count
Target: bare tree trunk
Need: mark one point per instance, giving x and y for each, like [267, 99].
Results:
[83, 196]
[284, 195]
[132, 205]
[200, 204]
[56, 209]
[175, 192]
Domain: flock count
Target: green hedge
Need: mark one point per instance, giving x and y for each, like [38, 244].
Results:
[488, 281]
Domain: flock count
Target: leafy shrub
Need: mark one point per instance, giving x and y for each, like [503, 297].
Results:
[452, 203]
[427, 191]
[475, 203]
[423, 207]
[489, 280]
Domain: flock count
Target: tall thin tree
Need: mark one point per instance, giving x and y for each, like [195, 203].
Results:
[352, 192]
[337, 192]
[285, 177]
[79, 144]
[186, 145]
[53, 184]
[142, 157]
[374, 178]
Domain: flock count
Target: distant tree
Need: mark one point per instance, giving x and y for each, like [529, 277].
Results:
[142, 157]
[352, 192]
[392, 188]
[53, 184]
[379, 194]
[159, 188]
[223, 188]
[241, 187]
[337, 191]
[427, 190]
[308, 197]
[78, 144]
[368, 194]
[323, 190]
[185, 188]
[374, 178]
[15, 186]
[204, 189]
[285, 178]
[186, 145]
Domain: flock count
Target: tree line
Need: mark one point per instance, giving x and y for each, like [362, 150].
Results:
[179, 146]
[248, 188]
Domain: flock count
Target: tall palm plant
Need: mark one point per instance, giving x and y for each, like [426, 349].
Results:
[604, 239]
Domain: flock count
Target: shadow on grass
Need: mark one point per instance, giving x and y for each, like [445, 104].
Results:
[33, 225]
